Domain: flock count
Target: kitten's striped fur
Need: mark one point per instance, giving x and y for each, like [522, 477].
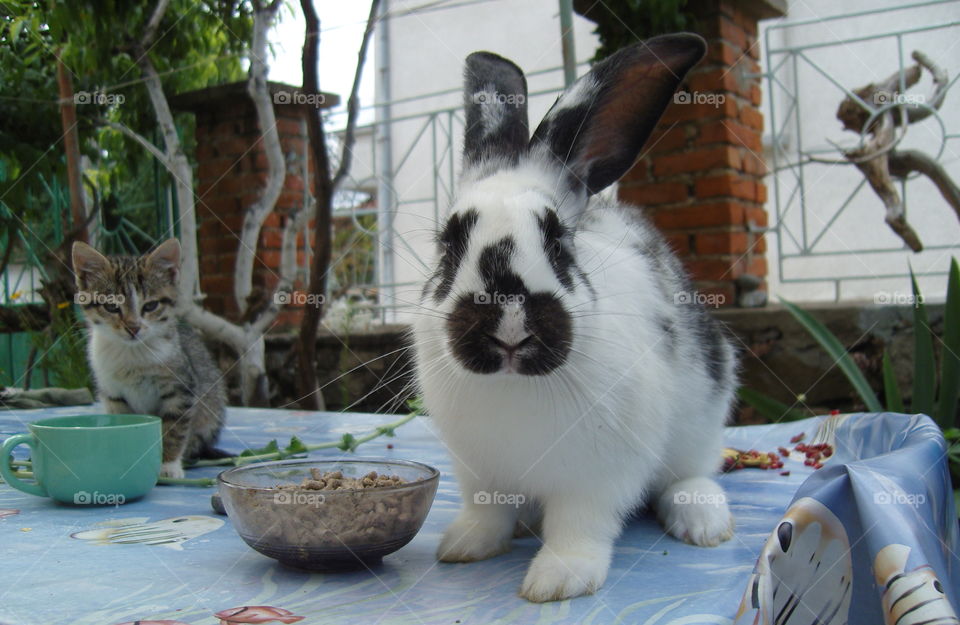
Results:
[146, 360]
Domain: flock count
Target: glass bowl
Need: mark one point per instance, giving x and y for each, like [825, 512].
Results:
[327, 529]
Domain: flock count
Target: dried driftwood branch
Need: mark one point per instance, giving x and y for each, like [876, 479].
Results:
[876, 157]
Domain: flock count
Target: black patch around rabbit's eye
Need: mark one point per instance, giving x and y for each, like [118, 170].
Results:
[553, 233]
[454, 241]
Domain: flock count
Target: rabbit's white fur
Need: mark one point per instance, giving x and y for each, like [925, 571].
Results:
[620, 421]
[604, 388]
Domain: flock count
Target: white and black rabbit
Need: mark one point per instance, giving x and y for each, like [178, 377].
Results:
[558, 353]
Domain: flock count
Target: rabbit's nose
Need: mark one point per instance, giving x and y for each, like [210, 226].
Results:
[512, 346]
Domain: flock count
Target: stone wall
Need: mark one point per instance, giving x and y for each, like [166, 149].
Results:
[778, 357]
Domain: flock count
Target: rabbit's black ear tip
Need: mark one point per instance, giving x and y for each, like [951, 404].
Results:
[690, 44]
[490, 61]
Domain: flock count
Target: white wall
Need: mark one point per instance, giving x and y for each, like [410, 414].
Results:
[861, 226]
[427, 50]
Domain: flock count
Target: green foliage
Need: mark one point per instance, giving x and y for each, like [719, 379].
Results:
[924, 363]
[62, 349]
[199, 43]
[838, 352]
[891, 391]
[623, 22]
[950, 354]
[940, 403]
[294, 448]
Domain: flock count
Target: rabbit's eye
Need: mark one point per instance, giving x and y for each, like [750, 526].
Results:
[557, 248]
[453, 239]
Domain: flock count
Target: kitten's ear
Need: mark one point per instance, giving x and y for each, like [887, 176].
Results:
[86, 261]
[166, 258]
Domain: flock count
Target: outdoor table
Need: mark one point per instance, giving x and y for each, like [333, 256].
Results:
[53, 571]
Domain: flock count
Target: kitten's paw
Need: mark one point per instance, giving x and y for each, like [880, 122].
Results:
[554, 575]
[469, 539]
[172, 469]
[696, 511]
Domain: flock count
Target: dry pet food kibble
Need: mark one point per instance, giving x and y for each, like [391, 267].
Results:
[334, 480]
[331, 510]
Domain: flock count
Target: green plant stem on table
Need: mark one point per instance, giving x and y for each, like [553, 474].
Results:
[348, 442]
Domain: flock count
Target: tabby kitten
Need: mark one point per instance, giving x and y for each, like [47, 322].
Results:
[145, 359]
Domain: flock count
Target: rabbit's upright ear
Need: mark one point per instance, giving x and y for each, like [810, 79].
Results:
[597, 127]
[496, 132]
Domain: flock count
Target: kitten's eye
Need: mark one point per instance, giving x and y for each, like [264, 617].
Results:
[111, 308]
[150, 306]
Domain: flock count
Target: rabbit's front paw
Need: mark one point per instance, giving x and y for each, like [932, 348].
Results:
[469, 539]
[696, 511]
[553, 575]
[172, 469]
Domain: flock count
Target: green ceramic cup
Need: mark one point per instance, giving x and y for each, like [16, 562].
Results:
[89, 459]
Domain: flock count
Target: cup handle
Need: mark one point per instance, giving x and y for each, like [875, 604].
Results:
[7, 472]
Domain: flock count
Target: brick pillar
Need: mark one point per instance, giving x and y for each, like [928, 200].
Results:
[701, 175]
[231, 173]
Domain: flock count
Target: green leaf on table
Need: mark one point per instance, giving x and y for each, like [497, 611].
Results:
[348, 443]
[269, 448]
[838, 352]
[891, 391]
[296, 446]
[924, 374]
[415, 405]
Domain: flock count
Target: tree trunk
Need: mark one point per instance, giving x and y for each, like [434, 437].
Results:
[71, 148]
[311, 397]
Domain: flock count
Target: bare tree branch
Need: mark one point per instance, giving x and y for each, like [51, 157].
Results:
[311, 397]
[179, 165]
[256, 213]
[150, 30]
[144, 142]
[905, 162]
[877, 158]
[353, 104]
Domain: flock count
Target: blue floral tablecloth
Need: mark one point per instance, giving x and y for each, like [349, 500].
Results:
[869, 538]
